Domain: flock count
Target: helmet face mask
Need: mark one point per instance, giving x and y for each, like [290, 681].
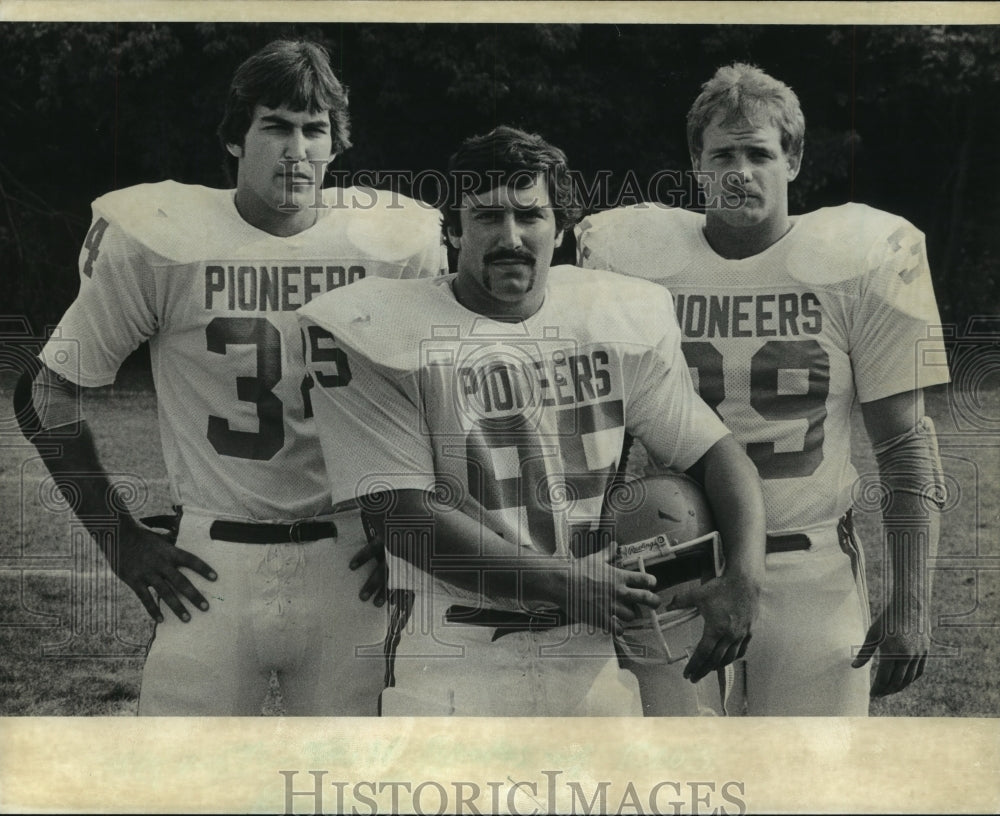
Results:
[664, 527]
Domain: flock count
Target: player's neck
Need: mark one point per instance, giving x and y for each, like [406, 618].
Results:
[266, 218]
[475, 300]
[733, 242]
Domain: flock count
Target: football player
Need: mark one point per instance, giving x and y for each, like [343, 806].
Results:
[485, 413]
[787, 322]
[211, 278]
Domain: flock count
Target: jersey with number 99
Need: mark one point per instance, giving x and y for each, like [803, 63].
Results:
[782, 344]
[215, 297]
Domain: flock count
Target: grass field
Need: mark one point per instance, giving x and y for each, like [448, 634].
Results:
[72, 639]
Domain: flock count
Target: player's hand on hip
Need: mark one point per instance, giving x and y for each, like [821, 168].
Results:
[729, 606]
[146, 560]
[374, 586]
[901, 654]
[602, 594]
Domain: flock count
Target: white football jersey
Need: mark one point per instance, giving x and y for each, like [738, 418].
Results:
[521, 424]
[177, 265]
[781, 344]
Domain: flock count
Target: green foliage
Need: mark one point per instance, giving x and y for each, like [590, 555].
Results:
[899, 117]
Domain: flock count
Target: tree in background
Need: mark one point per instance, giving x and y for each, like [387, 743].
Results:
[901, 118]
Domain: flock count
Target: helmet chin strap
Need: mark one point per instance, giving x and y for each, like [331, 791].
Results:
[685, 615]
[656, 620]
[657, 548]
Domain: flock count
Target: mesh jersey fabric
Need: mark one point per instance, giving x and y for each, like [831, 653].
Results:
[518, 424]
[782, 344]
[215, 296]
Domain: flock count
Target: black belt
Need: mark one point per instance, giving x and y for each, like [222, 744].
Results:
[505, 622]
[170, 524]
[800, 541]
[788, 543]
[298, 532]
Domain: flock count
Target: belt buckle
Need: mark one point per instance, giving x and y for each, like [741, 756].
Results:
[295, 531]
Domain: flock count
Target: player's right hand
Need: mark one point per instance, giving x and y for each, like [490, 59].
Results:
[146, 560]
[603, 595]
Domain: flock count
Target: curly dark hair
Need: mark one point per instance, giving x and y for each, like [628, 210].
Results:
[507, 154]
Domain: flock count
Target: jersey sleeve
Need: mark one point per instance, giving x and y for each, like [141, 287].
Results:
[896, 341]
[665, 412]
[114, 310]
[368, 425]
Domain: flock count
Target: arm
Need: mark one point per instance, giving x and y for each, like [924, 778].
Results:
[728, 603]
[681, 432]
[375, 419]
[140, 557]
[470, 556]
[909, 469]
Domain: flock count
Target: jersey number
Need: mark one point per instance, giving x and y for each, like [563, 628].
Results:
[322, 350]
[92, 244]
[772, 357]
[529, 486]
[259, 332]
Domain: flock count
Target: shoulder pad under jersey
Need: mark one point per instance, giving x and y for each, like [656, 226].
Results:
[836, 244]
[609, 307]
[385, 320]
[644, 240]
[173, 221]
[383, 223]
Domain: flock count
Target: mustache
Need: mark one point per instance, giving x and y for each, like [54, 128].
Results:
[509, 255]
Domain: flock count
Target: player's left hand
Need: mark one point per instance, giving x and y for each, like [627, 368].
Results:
[901, 655]
[728, 605]
[374, 587]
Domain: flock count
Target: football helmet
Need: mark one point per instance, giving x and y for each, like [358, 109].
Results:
[663, 526]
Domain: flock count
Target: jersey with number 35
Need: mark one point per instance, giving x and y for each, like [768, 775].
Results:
[176, 265]
[783, 343]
